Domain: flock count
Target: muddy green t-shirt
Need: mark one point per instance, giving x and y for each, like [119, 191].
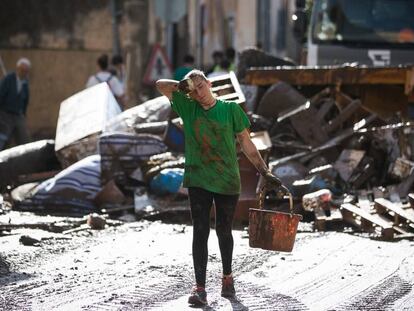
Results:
[210, 143]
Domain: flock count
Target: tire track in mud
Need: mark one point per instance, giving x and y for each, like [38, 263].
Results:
[170, 290]
[149, 292]
[379, 297]
[138, 281]
[323, 274]
[258, 298]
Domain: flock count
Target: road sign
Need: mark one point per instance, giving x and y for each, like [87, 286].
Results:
[159, 67]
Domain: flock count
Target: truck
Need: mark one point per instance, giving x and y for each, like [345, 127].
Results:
[374, 33]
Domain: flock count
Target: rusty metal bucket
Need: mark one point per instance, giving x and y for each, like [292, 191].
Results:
[273, 230]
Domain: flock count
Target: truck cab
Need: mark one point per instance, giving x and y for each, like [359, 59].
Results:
[375, 33]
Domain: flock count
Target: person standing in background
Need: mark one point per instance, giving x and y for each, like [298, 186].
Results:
[222, 70]
[14, 99]
[118, 69]
[217, 58]
[188, 65]
[231, 57]
[104, 75]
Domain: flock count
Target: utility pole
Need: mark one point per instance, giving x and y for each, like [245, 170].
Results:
[136, 13]
[116, 46]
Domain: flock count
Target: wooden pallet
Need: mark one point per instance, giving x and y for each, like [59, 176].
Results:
[366, 221]
[321, 219]
[227, 87]
[400, 216]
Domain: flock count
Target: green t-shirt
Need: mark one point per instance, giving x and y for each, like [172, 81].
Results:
[210, 143]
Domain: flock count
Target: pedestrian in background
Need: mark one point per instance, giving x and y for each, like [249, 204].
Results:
[211, 169]
[217, 58]
[223, 69]
[188, 65]
[14, 99]
[231, 57]
[118, 69]
[104, 75]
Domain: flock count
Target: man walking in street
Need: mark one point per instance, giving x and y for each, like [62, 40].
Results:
[14, 99]
[211, 169]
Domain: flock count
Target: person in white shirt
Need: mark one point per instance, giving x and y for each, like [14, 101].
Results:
[104, 75]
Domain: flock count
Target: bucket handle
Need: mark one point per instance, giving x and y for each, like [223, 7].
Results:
[286, 190]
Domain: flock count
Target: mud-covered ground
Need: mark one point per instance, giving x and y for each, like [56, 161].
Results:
[148, 266]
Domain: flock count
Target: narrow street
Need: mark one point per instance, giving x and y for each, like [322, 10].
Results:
[148, 266]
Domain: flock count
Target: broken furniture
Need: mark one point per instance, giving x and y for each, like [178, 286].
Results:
[382, 91]
[226, 87]
[392, 220]
[82, 118]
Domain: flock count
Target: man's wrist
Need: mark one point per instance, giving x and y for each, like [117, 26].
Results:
[264, 171]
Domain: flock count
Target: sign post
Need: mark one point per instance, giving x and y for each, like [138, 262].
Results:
[159, 67]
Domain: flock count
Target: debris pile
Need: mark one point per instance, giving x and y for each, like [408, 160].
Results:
[344, 152]
[343, 159]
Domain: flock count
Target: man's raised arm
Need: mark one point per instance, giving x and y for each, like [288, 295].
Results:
[167, 87]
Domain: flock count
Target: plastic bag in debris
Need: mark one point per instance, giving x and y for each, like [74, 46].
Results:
[169, 180]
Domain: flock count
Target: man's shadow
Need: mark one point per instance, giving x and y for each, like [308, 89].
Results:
[237, 304]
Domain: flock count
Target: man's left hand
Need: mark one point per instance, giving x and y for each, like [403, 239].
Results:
[272, 180]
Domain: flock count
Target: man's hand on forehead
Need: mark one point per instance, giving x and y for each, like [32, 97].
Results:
[186, 86]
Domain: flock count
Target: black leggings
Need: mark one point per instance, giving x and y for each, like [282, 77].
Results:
[201, 201]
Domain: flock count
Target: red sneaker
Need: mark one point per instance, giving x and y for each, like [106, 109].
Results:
[198, 296]
[227, 288]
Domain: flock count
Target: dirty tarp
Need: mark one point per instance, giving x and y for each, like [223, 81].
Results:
[123, 153]
[72, 190]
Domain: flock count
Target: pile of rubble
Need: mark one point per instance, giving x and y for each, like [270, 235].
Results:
[341, 160]
[342, 141]
[104, 160]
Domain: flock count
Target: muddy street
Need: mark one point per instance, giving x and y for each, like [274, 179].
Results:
[148, 266]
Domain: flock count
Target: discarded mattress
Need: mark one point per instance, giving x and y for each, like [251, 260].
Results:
[73, 189]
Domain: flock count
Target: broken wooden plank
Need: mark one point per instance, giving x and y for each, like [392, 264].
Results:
[411, 199]
[320, 219]
[368, 222]
[330, 144]
[343, 116]
[331, 75]
[364, 202]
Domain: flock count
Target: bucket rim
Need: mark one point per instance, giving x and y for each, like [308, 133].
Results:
[276, 212]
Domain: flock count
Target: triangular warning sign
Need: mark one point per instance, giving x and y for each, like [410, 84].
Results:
[158, 67]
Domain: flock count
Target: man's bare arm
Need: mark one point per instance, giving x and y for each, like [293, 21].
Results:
[167, 87]
[251, 152]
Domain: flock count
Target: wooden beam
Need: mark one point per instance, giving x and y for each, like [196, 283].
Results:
[332, 76]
